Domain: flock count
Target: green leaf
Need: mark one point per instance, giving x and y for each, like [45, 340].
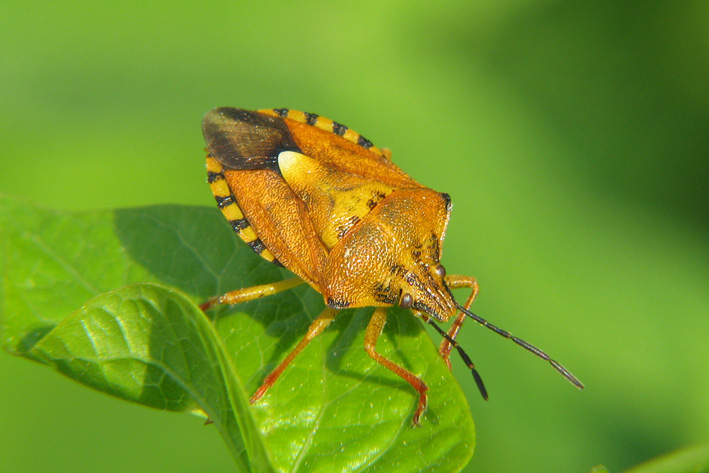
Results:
[108, 298]
[693, 459]
[151, 345]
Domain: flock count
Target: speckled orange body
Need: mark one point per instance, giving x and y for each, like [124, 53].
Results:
[339, 215]
[316, 197]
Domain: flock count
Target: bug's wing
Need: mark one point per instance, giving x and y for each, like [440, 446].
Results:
[245, 146]
[242, 139]
[280, 220]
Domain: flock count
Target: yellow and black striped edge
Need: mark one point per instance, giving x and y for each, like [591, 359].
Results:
[325, 124]
[231, 211]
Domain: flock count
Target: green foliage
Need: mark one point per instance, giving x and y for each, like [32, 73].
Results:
[108, 299]
[693, 459]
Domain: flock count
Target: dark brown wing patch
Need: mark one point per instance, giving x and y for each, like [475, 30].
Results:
[241, 139]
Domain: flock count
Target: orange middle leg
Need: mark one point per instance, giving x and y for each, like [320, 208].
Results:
[315, 329]
[256, 292]
[458, 282]
[374, 330]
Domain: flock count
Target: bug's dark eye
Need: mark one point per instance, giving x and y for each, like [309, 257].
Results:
[406, 301]
[440, 270]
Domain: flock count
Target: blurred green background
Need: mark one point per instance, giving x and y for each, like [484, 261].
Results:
[573, 137]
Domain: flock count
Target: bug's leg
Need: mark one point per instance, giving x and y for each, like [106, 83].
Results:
[386, 152]
[315, 329]
[251, 293]
[457, 282]
[374, 330]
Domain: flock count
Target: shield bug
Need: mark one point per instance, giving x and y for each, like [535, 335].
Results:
[314, 196]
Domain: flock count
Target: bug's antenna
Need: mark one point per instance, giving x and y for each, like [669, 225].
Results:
[464, 356]
[527, 346]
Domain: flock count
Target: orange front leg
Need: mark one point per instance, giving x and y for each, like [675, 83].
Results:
[458, 282]
[374, 330]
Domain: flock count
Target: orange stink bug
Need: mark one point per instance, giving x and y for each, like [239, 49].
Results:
[316, 197]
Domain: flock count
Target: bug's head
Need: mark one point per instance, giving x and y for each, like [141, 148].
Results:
[392, 257]
[424, 289]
